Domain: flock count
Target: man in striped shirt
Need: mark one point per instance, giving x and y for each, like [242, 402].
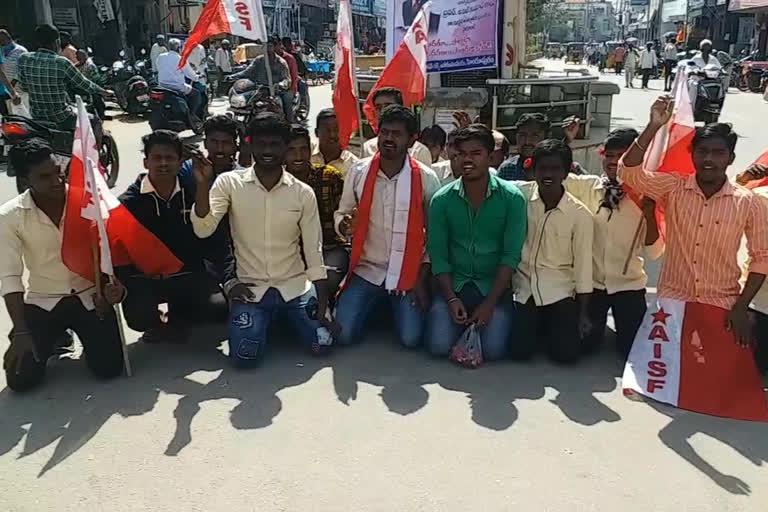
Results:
[706, 218]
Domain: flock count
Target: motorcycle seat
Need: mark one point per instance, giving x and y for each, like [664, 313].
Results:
[168, 91]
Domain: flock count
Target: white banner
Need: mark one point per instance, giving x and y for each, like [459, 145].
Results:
[246, 19]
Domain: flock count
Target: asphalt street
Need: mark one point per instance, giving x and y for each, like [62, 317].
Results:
[370, 428]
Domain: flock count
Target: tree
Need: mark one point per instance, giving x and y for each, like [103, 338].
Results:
[543, 15]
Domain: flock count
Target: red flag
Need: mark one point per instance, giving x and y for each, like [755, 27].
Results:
[407, 71]
[93, 213]
[683, 355]
[345, 94]
[243, 18]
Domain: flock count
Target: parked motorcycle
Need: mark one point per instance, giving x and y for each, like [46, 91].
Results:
[16, 129]
[130, 86]
[247, 98]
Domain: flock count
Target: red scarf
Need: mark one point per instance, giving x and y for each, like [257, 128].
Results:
[403, 269]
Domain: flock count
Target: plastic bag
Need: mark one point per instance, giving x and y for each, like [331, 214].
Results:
[468, 350]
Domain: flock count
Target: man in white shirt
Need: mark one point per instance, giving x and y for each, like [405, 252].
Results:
[56, 299]
[670, 62]
[383, 210]
[704, 57]
[273, 220]
[198, 59]
[383, 98]
[328, 150]
[169, 76]
[223, 60]
[648, 61]
[157, 49]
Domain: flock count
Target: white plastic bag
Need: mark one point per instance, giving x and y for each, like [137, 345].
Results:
[468, 350]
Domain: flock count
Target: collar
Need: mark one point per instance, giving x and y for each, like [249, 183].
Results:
[493, 186]
[46, 51]
[560, 205]
[287, 179]
[725, 190]
[405, 168]
[148, 188]
[26, 200]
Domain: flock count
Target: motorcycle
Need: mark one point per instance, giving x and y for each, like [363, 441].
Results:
[16, 129]
[130, 86]
[169, 109]
[301, 103]
[247, 98]
[710, 94]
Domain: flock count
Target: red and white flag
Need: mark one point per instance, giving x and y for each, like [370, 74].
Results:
[684, 356]
[670, 150]
[93, 215]
[407, 71]
[244, 18]
[345, 93]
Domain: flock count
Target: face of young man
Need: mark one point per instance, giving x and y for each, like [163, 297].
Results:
[711, 158]
[328, 136]
[162, 163]
[297, 155]
[611, 159]
[473, 159]
[221, 148]
[549, 173]
[527, 137]
[382, 102]
[394, 140]
[268, 151]
[46, 180]
[497, 158]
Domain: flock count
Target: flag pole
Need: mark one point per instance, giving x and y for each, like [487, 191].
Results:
[354, 84]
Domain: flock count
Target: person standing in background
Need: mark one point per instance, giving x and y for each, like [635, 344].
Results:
[223, 60]
[68, 50]
[157, 48]
[618, 58]
[648, 61]
[630, 66]
[670, 62]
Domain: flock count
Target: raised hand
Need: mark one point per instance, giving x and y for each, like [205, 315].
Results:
[661, 110]
[202, 169]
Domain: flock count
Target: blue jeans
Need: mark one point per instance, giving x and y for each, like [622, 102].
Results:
[442, 332]
[249, 323]
[357, 301]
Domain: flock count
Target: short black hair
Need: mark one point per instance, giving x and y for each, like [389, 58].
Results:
[620, 138]
[287, 41]
[540, 120]
[723, 131]
[478, 132]
[300, 132]
[400, 114]
[46, 35]
[553, 147]
[28, 153]
[274, 40]
[388, 91]
[326, 113]
[433, 136]
[269, 123]
[221, 123]
[162, 138]
[451, 137]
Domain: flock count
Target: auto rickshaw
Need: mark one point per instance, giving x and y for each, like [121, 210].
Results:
[554, 50]
[574, 52]
[611, 46]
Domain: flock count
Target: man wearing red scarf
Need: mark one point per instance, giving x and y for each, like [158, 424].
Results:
[383, 208]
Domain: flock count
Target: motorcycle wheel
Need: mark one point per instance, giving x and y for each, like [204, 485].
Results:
[742, 84]
[109, 159]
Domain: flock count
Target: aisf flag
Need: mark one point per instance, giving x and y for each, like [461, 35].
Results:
[345, 94]
[684, 356]
[243, 18]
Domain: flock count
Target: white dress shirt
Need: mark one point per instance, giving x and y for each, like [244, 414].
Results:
[266, 227]
[648, 59]
[198, 59]
[29, 238]
[374, 260]
[698, 60]
[154, 53]
[223, 60]
[418, 151]
[170, 76]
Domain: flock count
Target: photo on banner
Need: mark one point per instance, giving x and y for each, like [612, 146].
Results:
[462, 33]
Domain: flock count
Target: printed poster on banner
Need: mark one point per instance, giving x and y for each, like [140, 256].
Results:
[462, 33]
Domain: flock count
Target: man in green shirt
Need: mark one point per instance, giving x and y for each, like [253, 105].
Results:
[477, 227]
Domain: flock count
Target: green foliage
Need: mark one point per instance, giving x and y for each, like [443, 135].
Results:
[543, 15]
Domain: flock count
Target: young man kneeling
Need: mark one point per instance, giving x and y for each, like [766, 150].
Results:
[476, 233]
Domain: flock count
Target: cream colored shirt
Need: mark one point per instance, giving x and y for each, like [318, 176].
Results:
[418, 151]
[266, 228]
[619, 237]
[378, 244]
[557, 254]
[760, 302]
[29, 238]
[343, 163]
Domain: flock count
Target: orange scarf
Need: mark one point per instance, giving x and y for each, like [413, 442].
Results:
[408, 237]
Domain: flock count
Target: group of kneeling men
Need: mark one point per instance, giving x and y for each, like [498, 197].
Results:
[535, 262]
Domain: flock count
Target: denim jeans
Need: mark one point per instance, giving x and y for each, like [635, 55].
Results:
[357, 301]
[249, 323]
[442, 331]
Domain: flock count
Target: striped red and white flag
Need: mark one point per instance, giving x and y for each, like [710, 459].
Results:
[684, 356]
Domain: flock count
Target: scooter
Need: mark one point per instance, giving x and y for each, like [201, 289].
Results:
[710, 94]
[169, 110]
[130, 86]
[247, 98]
[16, 129]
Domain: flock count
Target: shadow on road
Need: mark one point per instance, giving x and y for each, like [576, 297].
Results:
[71, 407]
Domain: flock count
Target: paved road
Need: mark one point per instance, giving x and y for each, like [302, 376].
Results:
[372, 428]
